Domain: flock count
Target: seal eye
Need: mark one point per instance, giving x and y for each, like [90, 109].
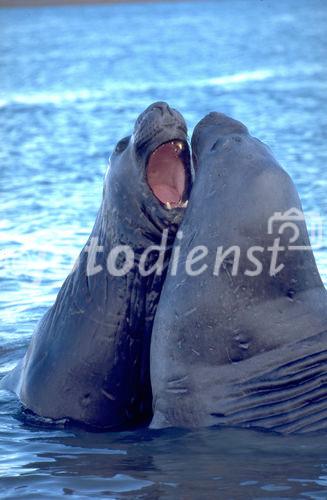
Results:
[122, 145]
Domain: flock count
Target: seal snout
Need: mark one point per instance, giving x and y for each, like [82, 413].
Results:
[160, 139]
[162, 113]
[212, 130]
[159, 123]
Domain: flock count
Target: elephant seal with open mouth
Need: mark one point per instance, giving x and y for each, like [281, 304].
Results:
[88, 359]
[240, 334]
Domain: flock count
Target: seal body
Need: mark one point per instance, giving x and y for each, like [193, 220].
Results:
[240, 334]
[88, 359]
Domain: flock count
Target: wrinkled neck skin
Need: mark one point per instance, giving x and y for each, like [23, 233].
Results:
[88, 360]
[129, 213]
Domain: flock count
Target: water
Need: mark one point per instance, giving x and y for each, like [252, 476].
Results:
[73, 80]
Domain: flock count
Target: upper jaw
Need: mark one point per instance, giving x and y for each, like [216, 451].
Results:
[145, 145]
[157, 125]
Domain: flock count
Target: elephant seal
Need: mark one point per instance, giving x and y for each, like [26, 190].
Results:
[88, 359]
[240, 334]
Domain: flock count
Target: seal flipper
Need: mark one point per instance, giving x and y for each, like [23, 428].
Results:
[12, 381]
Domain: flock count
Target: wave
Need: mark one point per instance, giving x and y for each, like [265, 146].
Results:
[85, 95]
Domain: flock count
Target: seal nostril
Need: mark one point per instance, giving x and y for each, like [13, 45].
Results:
[216, 144]
[170, 111]
[86, 400]
[163, 108]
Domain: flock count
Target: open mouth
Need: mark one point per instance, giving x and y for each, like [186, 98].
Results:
[167, 174]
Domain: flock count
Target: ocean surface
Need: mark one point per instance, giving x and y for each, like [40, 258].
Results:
[72, 82]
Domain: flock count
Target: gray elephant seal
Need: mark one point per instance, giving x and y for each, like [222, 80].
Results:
[89, 356]
[240, 345]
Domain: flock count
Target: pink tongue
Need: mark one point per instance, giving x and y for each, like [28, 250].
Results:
[166, 194]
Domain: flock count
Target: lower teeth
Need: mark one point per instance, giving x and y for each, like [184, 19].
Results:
[180, 204]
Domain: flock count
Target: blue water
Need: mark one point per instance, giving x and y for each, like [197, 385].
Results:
[72, 82]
